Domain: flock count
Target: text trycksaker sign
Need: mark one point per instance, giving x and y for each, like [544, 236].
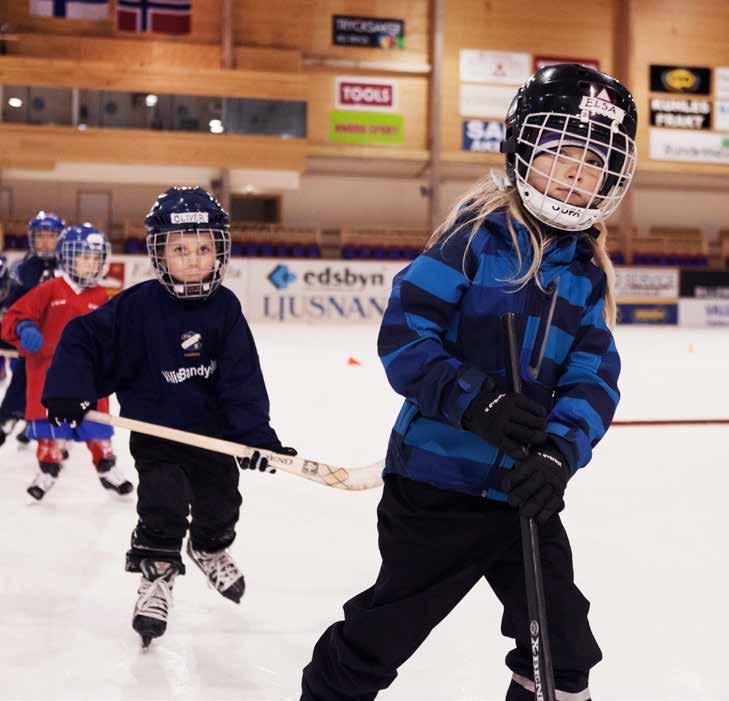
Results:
[368, 32]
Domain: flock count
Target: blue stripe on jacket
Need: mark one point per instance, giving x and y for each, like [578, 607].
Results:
[441, 338]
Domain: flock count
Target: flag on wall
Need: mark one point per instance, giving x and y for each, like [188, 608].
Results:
[71, 9]
[167, 16]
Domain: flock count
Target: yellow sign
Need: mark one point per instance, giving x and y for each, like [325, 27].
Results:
[680, 79]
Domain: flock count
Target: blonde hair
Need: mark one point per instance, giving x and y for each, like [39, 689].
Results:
[488, 196]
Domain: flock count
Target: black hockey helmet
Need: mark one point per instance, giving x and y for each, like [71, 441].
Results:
[570, 105]
[188, 210]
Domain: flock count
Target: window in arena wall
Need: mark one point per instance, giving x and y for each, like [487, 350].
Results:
[164, 112]
[258, 209]
[34, 105]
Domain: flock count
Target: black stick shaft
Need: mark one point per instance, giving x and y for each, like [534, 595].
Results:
[536, 605]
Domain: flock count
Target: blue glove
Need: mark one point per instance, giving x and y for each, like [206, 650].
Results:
[31, 339]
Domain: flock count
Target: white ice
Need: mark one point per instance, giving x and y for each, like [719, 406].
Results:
[647, 521]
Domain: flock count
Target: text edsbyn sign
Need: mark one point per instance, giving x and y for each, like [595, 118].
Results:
[330, 291]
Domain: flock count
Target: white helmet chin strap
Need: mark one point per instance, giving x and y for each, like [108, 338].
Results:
[555, 212]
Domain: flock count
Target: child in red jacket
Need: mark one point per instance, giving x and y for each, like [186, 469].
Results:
[34, 324]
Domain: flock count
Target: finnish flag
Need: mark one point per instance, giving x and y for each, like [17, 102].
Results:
[71, 9]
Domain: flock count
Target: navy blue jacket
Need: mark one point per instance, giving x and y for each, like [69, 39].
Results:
[441, 337]
[26, 274]
[133, 345]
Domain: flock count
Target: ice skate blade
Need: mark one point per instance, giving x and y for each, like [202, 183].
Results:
[146, 642]
[122, 490]
[35, 495]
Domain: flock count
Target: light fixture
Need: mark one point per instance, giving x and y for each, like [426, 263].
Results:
[15, 102]
[150, 100]
[216, 126]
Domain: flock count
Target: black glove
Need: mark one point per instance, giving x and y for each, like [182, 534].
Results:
[70, 411]
[256, 462]
[536, 485]
[511, 422]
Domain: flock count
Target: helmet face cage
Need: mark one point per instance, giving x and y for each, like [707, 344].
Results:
[573, 193]
[43, 226]
[181, 260]
[73, 250]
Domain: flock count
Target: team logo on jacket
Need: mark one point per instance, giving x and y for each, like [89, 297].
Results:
[191, 343]
[183, 374]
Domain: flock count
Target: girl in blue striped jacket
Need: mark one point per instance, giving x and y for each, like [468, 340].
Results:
[467, 456]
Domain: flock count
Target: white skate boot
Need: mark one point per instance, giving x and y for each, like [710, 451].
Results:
[155, 599]
[112, 477]
[220, 569]
[44, 481]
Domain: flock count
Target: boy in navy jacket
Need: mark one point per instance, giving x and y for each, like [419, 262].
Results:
[178, 352]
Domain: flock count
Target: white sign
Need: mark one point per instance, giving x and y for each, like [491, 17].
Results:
[721, 115]
[485, 100]
[703, 312]
[691, 146]
[365, 94]
[318, 291]
[505, 68]
[646, 284]
[722, 81]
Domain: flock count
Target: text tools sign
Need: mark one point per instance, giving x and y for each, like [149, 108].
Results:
[329, 291]
[365, 94]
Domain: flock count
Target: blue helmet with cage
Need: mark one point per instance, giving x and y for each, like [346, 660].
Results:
[188, 240]
[42, 225]
[83, 253]
[4, 278]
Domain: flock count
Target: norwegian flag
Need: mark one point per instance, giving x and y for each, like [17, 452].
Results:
[166, 16]
[71, 9]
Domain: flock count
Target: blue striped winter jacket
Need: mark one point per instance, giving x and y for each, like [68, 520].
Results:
[441, 337]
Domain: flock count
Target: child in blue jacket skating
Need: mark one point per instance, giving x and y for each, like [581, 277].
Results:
[456, 476]
[177, 351]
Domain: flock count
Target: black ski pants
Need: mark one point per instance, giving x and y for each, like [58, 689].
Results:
[435, 546]
[176, 481]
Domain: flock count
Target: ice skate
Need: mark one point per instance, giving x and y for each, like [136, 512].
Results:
[155, 599]
[111, 477]
[222, 572]
[22, 437]
[41, 485]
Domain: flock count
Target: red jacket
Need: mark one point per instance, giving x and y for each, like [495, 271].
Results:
[50, 306]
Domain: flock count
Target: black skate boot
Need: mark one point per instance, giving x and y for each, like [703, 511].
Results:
[155, 599]
[22, 437]
[44, 480]
[112, 477]
[222, 572]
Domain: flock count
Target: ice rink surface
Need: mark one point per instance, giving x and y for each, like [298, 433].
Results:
[647, 520]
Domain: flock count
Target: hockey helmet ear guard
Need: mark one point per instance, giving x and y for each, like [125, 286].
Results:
[585, 120]
[188, 211]
[83, 241]
[44, 223]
